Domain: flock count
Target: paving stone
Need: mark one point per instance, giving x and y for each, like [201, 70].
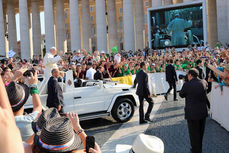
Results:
[170, 125]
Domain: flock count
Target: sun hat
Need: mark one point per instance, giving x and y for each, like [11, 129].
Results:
[18, 95]
[143, 144]
[44, 117]
[57, 135]
[102, 52]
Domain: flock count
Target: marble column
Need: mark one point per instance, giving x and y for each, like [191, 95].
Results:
[222, 20]
[5, 27]
[139, 23]
[75, 25]
[188, 0]
[112, 24]
[156, 3]
[167, 2]
[12, 33]
[101, 30]
[36, 27]
[128, 22]
[24, 30]
[30, 31]
[60, 26]
[49, 24]
[177, 1]
[212, 23]
[86, 24]
[2, 32]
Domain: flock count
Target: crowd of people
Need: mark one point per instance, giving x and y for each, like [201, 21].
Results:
[121, 64]
[38, 127]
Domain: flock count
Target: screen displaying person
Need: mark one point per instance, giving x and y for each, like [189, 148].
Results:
[177, 27]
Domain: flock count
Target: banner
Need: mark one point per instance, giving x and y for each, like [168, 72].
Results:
[156, 81]
[124, 80]
[11, 53]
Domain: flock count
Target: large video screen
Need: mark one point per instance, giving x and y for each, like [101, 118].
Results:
[177, 27]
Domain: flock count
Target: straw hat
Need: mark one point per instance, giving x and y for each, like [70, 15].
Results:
[57, 135]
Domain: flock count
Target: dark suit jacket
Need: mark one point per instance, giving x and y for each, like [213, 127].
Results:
[55, 93]
[170, 73]
[142, 81]
[98, 75]
[195, 96]
[201, 73]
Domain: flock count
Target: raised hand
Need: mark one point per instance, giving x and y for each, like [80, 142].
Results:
[11, 141]
[18, 74]
[33, 78]
[75, 120]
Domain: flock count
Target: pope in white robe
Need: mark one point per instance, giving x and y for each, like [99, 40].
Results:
[50, 62]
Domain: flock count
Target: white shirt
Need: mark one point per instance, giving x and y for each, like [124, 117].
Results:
[50, 63]
[90, 74]
[117, 57]
[96, 58]
[23, 122]
[77, 58]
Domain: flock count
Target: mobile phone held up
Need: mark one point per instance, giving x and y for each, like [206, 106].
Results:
[90, 143]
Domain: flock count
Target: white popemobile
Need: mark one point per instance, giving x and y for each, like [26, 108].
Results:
[93, 99]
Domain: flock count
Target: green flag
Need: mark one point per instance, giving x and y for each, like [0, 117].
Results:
[114, 49]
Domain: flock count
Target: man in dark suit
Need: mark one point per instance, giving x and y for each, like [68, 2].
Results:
[194, 92]
[199, 68]
[143, 93]
[55, 93]
[99, 75]
[171, 78]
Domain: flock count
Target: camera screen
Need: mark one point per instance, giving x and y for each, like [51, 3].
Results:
[177, 27]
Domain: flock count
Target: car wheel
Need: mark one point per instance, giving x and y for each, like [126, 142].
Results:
[123, 110]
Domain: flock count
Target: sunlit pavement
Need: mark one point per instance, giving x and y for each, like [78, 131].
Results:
[169, 125]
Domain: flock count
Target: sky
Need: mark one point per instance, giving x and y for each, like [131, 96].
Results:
[42, 24]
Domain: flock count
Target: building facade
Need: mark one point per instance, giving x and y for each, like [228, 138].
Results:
[90, 24]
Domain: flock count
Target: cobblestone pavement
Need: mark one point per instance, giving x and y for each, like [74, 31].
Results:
[170, 126]
[101, 128]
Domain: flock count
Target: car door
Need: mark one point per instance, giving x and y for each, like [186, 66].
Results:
[68, 102]
[89, 99]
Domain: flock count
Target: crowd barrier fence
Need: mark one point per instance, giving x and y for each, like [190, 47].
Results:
[157, 82]
[220, 105]
[219, 102]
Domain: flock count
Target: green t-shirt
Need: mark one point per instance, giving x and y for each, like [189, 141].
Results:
[184, 66]
[124, 73]
[149, 69]
[177, 66]
[136, 71]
